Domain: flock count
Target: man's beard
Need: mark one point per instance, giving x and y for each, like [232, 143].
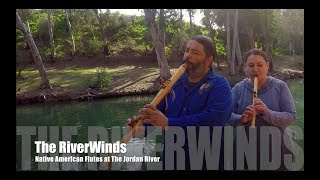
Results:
[195, 68]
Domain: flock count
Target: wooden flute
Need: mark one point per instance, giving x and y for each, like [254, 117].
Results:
[160, 95]
[255, 96]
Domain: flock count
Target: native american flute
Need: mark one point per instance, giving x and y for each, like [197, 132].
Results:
[160, 95]
[255, 96]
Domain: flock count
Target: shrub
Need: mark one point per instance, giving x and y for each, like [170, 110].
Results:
[101, 79]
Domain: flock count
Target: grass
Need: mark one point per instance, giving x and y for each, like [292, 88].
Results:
[64, 78]
[124, 75]
[67, 78]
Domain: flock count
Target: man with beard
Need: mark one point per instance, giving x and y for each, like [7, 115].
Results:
[200, 98]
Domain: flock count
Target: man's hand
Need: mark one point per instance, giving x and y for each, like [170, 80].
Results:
[150, 114]
[131, 123]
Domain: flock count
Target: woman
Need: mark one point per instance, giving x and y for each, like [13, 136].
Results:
[273, 107]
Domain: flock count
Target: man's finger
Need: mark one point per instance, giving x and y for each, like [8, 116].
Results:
[151, 107]
[146, 111]
[144, 117]
[148, 121]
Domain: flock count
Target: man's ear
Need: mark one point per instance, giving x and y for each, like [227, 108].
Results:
[211, 59]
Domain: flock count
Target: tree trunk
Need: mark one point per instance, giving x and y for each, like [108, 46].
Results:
[51, 36]
[234, 42]
[191, 24]
[216, 59]
[25, 14]
[240, 60]
[181, 49]
[267, 44]
[214, 33]
[251, 38]
[73, 50]
[268, 50]
[160, 51]
[28, 26]
[105, 45]
[162, 28]
[34, 52]
[231, 68]
[237, 45]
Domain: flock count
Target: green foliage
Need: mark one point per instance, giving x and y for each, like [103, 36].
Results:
[22, 55]
[131, 37]
[220, 46]
[130, 34]
[278, 51]
[94, 47]
[59, 50]
[168, 49]
[290, 33]
[60, 28]
[101, 79]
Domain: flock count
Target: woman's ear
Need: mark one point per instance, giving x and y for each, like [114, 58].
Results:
[245, 70]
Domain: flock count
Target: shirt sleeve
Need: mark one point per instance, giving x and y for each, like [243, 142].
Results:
[234, 119]
[287, 114]
[216, 113]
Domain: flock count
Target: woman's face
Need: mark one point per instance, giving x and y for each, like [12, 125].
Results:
[257, 66]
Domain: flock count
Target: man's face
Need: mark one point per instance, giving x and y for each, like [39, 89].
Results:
[196, 56]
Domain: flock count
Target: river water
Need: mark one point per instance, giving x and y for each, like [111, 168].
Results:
[72, 121]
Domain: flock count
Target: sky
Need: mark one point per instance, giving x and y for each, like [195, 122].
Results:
[138, 12]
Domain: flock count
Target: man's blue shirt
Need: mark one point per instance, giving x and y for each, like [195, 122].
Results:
[206, 103]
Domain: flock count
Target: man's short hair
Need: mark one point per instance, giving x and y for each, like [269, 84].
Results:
[209, 47]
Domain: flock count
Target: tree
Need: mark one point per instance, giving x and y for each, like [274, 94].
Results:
[291, 23]
[191, 13]
[208, 22]
[105, 49]
[236, 44]
[229, 48]
[232, 23]
[160, 50]
[181, 41]
[249, 23]
[24, 15]
[162, 27]
[51, 35]
[266, 25]
[34, 51]
[73, 50]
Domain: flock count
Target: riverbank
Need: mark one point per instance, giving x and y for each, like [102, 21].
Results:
[130, 76]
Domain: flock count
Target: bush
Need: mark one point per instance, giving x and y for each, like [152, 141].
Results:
[101, 79]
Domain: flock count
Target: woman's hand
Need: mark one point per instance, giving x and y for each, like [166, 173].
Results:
[260, 107]
[247, 115]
